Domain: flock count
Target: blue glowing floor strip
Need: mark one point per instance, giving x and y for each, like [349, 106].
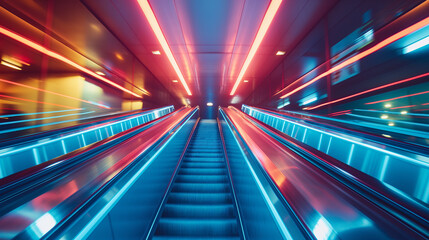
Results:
[37, 119]
[267, 199]
[27, 114]
[86, 231]
[418, 161]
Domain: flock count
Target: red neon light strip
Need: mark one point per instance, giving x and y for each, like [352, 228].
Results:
[29, 100]
[340, 112]
[148, 12]
[47, 91]
[385, 42]
[368, 91]
[266, 22]
[409, 106]
[57, 56]
[424, 104]
[420, 110]
[390, 99]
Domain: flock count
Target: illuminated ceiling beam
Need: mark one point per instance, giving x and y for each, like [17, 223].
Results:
[266, 21]
[63, 59]
[148, 12]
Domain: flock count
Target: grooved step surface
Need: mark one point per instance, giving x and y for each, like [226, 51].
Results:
[200, 204]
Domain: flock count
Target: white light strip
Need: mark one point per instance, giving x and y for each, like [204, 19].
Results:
[419, 44]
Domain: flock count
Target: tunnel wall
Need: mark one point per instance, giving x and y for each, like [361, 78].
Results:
[346, 19]
[53, 88]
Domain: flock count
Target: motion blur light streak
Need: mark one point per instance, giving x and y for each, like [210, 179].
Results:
[266, 21]
[409, 106]
[280, 53]
[55, 93]
[26, 114]
[368, 91]
[309, 101]
[380, 45]
[282, 105]
[148, 12]
[36, 119]
[390, 99]
[4, 63]
[340, 113]
[57, 56]
[29, 100]
[419, 44]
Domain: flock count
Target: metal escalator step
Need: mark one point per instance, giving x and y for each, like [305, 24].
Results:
[201, 187]
[208, 211]
[199, 198]
[203, 165]
[197, 227]
[204, 154]
[199, 159]
[202, 171]
[201, 178]
[193, 238]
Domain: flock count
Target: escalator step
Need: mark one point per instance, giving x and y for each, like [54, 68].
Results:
[197, 227]
[221, 211]
[201, 178]
[188, 159]
[201, 187]
[199, 198]
[193, 238]
[200, 204]
[203, 165]
[202, 171]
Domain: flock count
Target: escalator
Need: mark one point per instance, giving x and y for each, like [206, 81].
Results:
[200, 203]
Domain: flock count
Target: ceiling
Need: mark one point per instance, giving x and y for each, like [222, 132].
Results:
[210, 40]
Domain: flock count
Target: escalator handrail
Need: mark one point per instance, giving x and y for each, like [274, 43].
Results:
[377, 210]
[34, 175]
[405, 146]
[303, 227]
[242, 232]
[403, 207]
[86, 205]
[93, 190]
[99, 119]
